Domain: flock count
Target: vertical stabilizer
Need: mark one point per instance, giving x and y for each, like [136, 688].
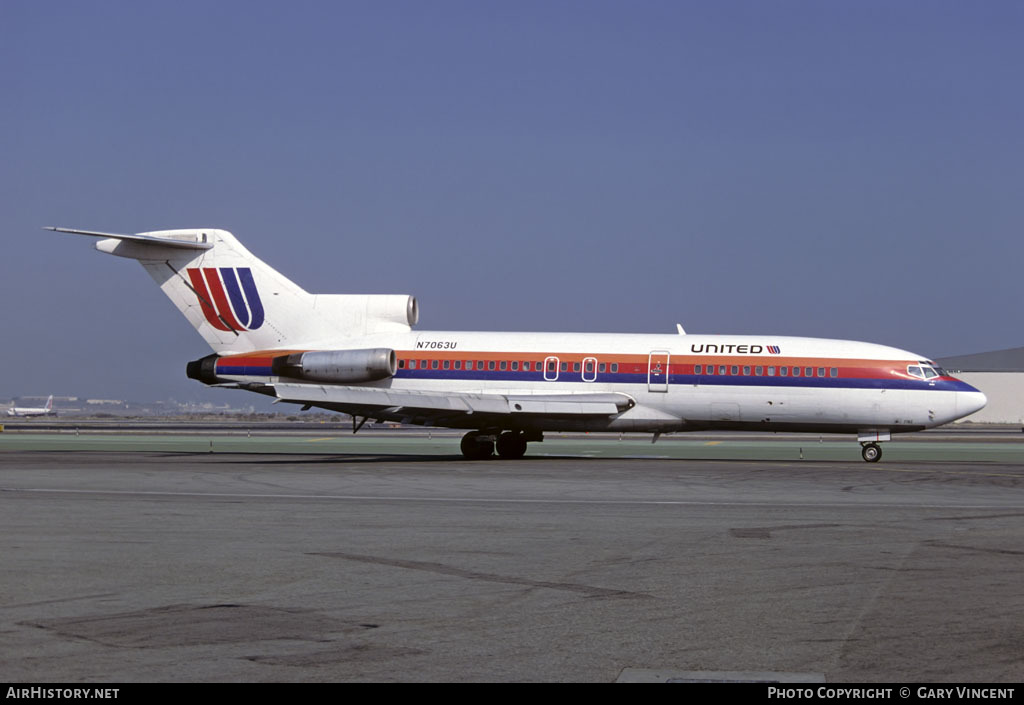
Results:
[238, 303]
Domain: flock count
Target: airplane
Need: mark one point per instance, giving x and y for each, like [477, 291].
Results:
[33, 411]
[359, 354]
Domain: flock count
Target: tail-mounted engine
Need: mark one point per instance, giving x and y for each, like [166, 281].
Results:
[204, 369]
[338, 366]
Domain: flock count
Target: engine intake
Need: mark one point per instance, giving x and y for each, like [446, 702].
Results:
[338, 366]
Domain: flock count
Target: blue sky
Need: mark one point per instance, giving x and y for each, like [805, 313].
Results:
[832, 169]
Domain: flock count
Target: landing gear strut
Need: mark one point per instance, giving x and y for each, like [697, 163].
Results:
[871, 452]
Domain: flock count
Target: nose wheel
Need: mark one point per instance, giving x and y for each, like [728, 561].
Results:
[871, 452]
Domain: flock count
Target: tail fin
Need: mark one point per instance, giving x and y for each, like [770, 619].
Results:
[238, 303]
[49, 403]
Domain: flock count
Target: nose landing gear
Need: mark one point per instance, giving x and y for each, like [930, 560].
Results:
[871, 452]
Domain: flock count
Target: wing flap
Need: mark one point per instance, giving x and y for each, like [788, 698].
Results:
[439, 403]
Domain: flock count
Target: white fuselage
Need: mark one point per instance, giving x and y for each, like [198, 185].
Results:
[28, 411]
[679, 382]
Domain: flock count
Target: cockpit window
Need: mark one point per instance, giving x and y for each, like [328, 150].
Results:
[925, 371]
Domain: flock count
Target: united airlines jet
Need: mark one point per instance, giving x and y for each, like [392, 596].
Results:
[360, 355]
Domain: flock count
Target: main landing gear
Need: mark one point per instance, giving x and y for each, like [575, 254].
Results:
[871, 452]
[479, 445]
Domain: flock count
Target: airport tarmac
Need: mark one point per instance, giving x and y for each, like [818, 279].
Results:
[297, 559]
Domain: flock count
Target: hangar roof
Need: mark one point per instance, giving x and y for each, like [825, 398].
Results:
[1009, 360]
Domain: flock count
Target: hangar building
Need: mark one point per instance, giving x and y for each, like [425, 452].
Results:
[1000, 375]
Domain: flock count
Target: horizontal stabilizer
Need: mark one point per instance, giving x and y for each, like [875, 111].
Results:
[194, 243]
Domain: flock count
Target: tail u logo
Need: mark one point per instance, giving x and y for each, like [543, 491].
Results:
[228, 297]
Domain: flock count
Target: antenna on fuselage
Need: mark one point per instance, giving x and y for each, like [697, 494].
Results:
[679, 327]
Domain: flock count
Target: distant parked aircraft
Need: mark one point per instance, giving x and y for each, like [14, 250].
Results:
[33, 411]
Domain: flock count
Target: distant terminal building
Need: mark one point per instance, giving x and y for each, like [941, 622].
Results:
[1000, 375]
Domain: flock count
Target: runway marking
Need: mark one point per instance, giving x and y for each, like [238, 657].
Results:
[492, 500]
[443, 569]
[979, 549]
[59, 600]
[713, 443]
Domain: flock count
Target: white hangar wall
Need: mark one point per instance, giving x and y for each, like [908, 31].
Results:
[1005, 392]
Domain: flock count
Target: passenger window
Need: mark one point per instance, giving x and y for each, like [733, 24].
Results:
[696, 369]
[600, 367]
[615, 367]
[796, 371]
[734, 370]
[551, 365]
[457, 364]
[526, 367]
[808, 372]
[759, 371]
[783, 371]
[575, 367]
[515, 365]
[401, 364]
[821, 371]
[721, 369]
[447, 364]
[746, 370]
[565, 367]
[833, 372]
[502, 365]
[771, 371]
[590, 367]
[433, 364]
[490, 365]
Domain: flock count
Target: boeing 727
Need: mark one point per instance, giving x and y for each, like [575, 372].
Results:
[360, 355]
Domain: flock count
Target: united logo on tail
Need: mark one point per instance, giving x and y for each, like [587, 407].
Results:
[228, 297]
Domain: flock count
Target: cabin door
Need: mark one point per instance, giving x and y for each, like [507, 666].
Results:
[657, 371]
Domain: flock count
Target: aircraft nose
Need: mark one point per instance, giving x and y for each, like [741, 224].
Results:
[969, 402]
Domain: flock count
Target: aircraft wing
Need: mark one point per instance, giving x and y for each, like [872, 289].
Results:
[435, 406]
